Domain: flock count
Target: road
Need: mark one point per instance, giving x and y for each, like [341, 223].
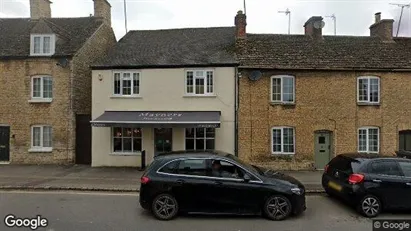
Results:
[67, 211]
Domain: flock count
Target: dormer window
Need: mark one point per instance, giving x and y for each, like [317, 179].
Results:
[42, 44]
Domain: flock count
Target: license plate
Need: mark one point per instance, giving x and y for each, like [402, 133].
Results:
[334, 185]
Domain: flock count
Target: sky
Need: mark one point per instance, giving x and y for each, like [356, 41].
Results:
[353, 17]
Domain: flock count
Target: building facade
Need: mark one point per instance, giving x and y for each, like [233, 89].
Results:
[46, 84]
[305, 98]
[153, 95]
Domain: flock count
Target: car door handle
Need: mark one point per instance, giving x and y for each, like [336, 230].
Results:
[409, 184]
[377, 181]
[180, 182]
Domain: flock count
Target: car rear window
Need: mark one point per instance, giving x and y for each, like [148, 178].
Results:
[345, 164]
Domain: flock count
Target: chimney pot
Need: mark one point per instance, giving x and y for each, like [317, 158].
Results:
[102, 8]
[313, 27]
[240, 24]
[40, 9]
[382, 28]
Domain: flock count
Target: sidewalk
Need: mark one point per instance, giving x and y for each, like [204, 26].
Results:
[85, 178]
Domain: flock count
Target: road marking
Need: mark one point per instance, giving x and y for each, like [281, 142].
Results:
[71, 192]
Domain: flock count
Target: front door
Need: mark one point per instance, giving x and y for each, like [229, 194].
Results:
[4, 143]
[322, 149]
[163, 140]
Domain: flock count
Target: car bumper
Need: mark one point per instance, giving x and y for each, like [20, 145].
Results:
[350, 193]
[299, 204]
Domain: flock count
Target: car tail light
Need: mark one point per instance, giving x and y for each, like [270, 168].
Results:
[145, 180]
[356, 178]
[326, 168]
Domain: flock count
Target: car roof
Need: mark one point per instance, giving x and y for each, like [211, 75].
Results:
[366, 156]
[192, 153]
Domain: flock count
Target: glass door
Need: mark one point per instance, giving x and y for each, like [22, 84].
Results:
[163, 140]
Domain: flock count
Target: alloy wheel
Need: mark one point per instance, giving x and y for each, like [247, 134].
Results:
[370, 206]
[278, 207]
[165, 207]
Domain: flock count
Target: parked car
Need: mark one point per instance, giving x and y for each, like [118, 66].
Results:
[372, 183]
[212, 182]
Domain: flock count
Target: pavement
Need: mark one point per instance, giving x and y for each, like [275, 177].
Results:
[86, 178]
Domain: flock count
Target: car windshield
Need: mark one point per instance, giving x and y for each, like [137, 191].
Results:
[244, 164]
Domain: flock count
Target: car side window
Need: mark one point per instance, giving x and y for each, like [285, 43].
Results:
[225, 169]
[390, 168]
[170, 167]
[406, 168]
[194, 167]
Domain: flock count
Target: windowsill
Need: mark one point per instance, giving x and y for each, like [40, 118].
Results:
[125, 154]
[367, 104]
[200, 96]
[40, 100]
[42, 150]
[41, 55]
[365, 152]
[282, 103]
[125, 97]
[282, 154]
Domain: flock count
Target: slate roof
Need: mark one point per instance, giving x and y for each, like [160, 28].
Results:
[275, 51]
[172, 48]
[71, 34]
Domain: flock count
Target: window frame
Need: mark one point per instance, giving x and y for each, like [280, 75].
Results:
[368, 78]
[282, 140]
[116, 153]
[281, 77]
[42, 36]
[367, 139]
[121, 94]
[41, 98]
[186, 93]
[205, 138]
[40, 148]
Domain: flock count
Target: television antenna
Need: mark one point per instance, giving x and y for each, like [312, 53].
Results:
[335, 22]
[125, 15]
[402, 9]
[287, 12]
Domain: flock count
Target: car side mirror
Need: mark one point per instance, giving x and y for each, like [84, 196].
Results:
[246, 178]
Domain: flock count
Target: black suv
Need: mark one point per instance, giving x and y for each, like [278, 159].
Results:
[369, 182]
[218, 183]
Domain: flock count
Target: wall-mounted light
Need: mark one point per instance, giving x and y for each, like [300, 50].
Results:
[100, 77]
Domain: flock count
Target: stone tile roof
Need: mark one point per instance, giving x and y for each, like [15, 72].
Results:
[172, 48]
[71, 34]
[275, 51]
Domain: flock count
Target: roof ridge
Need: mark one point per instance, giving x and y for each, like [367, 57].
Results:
[183, 28]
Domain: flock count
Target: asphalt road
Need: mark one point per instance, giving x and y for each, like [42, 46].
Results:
[66, 211]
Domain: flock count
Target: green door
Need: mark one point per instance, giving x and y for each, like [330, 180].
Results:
[322, 149]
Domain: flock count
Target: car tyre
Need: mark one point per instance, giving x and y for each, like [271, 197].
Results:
[370, 206]
[277, 208]
[164, 207]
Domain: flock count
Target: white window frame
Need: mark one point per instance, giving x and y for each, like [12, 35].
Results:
[367, 140]
[42, 36]
[282, 141]
[204, 71]
[40, 148]
[41, 98]
[125, 153]
[368, 78]
[205, 138]
[282, 93]
[121, 83]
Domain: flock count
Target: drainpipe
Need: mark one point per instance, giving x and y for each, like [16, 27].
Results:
[236, 99]
[335, 136]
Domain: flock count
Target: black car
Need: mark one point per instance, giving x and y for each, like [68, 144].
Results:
[212, 182]
[369, 182]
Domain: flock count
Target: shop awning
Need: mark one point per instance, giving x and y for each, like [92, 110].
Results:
[206, 119]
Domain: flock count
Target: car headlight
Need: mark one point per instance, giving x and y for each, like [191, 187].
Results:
[297, 191]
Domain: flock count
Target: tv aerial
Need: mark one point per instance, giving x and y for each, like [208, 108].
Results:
[255, 75]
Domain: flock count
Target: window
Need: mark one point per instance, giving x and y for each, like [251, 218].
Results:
[282, 140]
[200, 82]
[225, 170]
[200, 138]
[42, 44]
[126, 83]
[170, 167]
[282, 89]
[42, 88]
[127, 140]
[406, 168]
[368, 139]
[405, 140]
[385, 168]
[41, 138]
[196, 167]
[368, 90]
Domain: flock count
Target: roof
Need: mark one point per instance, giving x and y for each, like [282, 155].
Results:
[276, 51]
[173, 48]
[71, 34]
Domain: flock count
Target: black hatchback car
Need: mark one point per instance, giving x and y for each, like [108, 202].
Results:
[217, 183]
[369, 182]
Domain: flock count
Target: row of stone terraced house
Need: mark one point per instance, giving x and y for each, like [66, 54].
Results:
[281, 101]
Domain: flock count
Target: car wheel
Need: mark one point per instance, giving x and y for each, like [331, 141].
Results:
[277, 207]
[164, 207]
[370, 206]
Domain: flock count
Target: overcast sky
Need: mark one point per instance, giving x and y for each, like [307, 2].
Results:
[353, 16]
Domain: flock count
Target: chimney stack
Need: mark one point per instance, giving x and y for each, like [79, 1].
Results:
[40, 9]
[314, 27]
[240, 24]
[382, 28]
[102, 8]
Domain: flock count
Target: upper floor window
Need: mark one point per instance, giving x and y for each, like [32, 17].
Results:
[126, 83]
[368, 139]
[368, 88]
[42, 44]
[42, 88]
[199, 82]
[41, 138]
[282, 140]
[282, 89]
